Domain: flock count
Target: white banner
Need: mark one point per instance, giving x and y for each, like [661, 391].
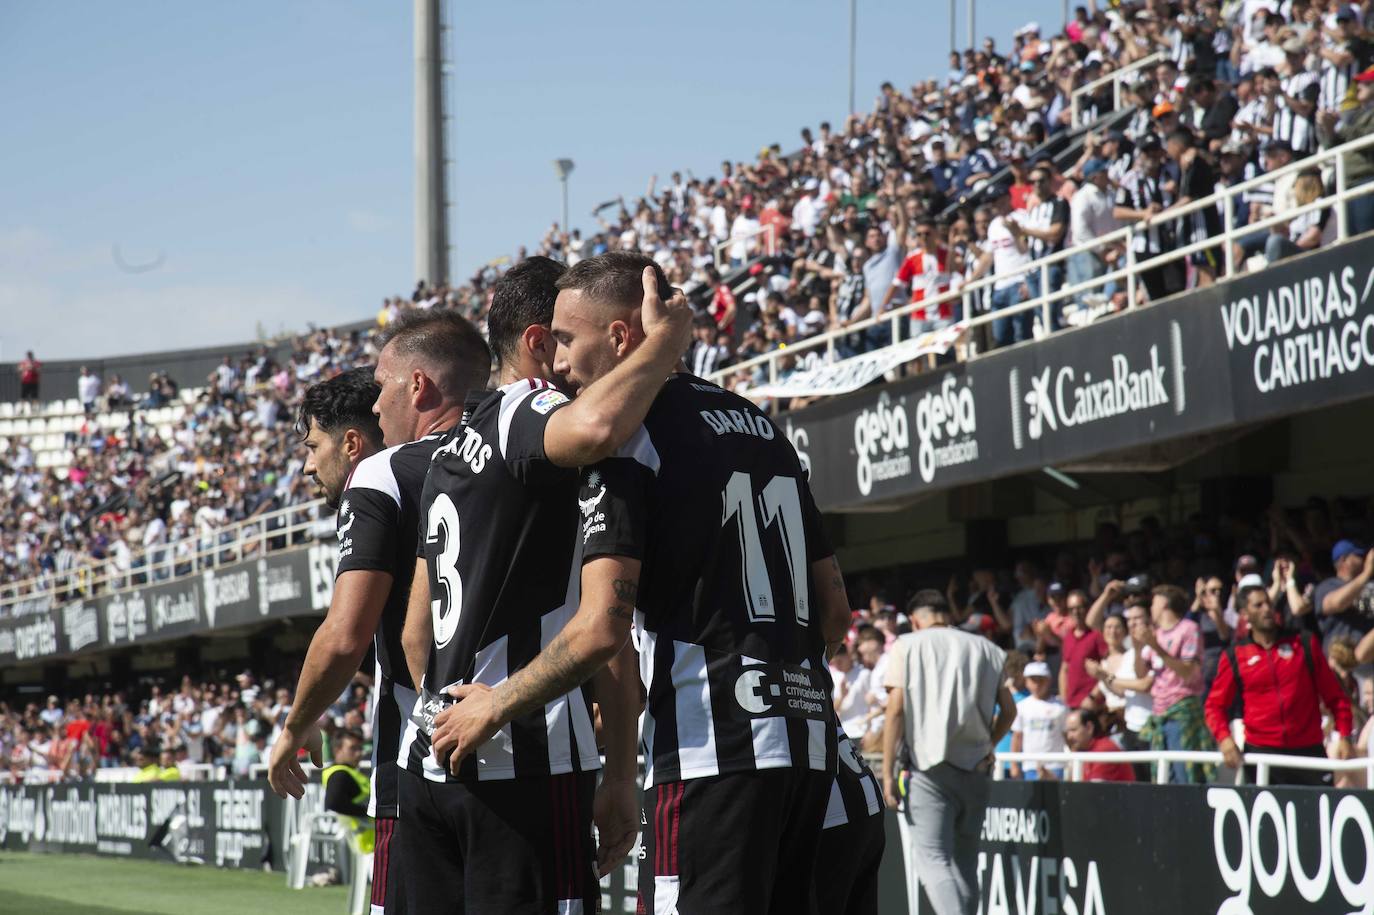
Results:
[853, 373]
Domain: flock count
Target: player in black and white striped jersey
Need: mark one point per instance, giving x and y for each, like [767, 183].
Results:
[701, 531]
[853, 838]
[505, 825]
[428, 362]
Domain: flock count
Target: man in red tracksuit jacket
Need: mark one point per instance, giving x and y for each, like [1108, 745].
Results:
[1282, 679]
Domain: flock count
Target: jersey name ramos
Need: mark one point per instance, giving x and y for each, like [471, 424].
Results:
[499, 540]
[711, 497]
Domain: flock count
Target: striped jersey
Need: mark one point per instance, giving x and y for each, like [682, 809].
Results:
[499, 539]
[855, 793]
[376, 525]
[1289, 126]
[710, 496]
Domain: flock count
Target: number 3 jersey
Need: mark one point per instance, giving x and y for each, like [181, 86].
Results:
[498, 533]
[710, 496]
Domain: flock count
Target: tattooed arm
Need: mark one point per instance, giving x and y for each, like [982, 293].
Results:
[831, 600]
[592, 637]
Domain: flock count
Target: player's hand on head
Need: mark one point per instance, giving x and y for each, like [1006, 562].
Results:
[464, 726]
[670, 320]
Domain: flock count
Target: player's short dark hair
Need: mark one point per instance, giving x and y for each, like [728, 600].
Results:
[930, 600]
[1088, 720]
[521, 298]
[349, 734]
[448, 343]
[1243, 595]
[616, 278]
[341, 403]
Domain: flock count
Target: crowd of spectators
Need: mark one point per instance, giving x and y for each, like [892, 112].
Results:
[140, 501]
[167, 731]
[1136, 641]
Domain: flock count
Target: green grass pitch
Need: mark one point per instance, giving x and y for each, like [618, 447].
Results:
[32, 884]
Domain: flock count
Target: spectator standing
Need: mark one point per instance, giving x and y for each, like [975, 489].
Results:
[1281, 679]
[1046, 225]
[1091, 216]
[1140, 199]
[30, 372]
[1337, 127]
[1345, 601]
[1039, 725]
[1007, 256]
[1125, 696]
[1083, 734]
[851, 688]
[1169, 646]
[943, 686]
[885, 250]
[87, 390]
[1081, 644]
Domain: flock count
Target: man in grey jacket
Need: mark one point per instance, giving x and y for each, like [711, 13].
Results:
[948, 703]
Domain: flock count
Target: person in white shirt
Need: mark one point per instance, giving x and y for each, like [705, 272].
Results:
[744, 234]
[851, 686]
[1039, 725]
[806, 212]
[87, 390]
[1090, 218]
[1008, 254]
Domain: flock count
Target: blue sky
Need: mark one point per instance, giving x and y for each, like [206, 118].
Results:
[184, 174]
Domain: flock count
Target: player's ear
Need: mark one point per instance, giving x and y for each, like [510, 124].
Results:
[352, 444]
[622, 334]
[538, 342]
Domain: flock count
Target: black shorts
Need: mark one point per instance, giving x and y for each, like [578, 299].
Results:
[521, 846]
[741, 843]
[847, 867]
[385, 828]
[28, 390]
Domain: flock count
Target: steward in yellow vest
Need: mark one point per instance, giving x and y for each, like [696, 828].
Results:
[346, 790]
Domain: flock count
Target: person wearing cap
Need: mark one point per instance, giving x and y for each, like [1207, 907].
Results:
[948, 703]
[1169, 647]
[1039, 725]
[1281, 679]
[1339, 57]
[1142, 196]
[1345, 601]
[1342, 127]
[1091, 216]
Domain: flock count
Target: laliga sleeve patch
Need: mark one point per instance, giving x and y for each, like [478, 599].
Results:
[545, 401]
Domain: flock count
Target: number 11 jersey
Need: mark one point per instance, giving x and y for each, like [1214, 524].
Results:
[498, 533]
[710, 495]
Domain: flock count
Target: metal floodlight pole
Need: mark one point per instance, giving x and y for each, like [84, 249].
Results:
[563, 168]
[953, 28]
[972, 23]
[853, 44]
[431, 203]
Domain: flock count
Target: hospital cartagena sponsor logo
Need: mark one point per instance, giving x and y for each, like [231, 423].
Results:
[1304, 331]
[882, 442]
[1069, 396]
[1322, 847]
[946, 427]
[126, 618]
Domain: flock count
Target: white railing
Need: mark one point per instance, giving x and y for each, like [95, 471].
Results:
[176, 559]
[1117, 78]
[770, 244]
[1132, 265]
[1161, 759]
